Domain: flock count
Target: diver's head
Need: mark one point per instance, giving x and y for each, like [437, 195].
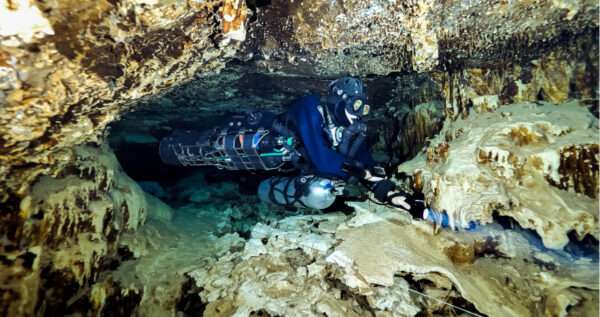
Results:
[348, 98]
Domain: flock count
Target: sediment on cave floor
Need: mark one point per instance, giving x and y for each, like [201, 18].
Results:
[490, 109]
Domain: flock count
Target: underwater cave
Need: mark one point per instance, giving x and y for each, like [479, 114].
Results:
[142, 144]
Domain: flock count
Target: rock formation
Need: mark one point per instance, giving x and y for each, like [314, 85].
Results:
[537, 163]
[493, 98]
[379, 264]
[379, 37]
[67, 231]
[563, 73]
[71, 68]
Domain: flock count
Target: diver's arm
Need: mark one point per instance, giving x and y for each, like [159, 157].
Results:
[364, 155]
[326, 161]
[309, 124]
[373, 171]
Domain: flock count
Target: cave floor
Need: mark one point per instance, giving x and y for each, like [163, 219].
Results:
[164, 252]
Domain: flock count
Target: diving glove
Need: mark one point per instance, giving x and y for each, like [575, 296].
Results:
[378, 171]
[382, 188]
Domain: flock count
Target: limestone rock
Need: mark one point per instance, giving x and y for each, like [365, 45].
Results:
[160, 210]
[414, 127]
[378, 37]
[67, 231]
[519, 285]
[164, 253]
[563, 73]
[536, 163]
[70, 68]
[379, 263]
[280, 271]
[22, 22]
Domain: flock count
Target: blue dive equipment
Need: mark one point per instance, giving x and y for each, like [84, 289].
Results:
[352, 139]
[441, 219]
[300, 191]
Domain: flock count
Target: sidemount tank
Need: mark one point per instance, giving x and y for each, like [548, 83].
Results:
[300, 191]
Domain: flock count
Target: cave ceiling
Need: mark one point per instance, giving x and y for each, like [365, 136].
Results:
[330, 38]
[70, 68]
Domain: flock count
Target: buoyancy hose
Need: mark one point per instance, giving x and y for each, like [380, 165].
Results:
[352, 138]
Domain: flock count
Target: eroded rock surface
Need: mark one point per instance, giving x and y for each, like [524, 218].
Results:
[378, 263]
[536, 163]
[564, 73]
[77, 66]
[67, 233]
[378, 37]
[209, 222]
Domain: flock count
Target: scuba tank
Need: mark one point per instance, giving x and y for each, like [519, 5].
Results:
[300, 191]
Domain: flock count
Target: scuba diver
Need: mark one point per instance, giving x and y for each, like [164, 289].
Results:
[324, 144]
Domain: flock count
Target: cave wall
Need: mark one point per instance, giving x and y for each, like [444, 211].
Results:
[68, 69]
[329, 38]
[563, 73]
[66, 234]
[71, 67]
